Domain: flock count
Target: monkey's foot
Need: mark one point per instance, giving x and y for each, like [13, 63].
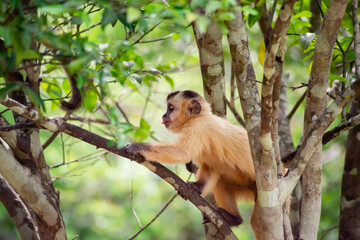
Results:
[229, 218]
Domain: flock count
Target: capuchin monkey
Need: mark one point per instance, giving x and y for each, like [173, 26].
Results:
[219, 149]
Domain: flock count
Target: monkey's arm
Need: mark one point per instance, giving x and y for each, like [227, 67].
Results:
[161, 152]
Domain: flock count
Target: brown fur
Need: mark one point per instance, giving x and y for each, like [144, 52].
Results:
[219, 149]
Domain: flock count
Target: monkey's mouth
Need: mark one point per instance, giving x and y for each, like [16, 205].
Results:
[166, 123]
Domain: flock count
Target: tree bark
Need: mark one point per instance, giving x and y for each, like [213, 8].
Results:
[212, 65]
[212, 70]
[349, 228]
[24, 168]
[314, 106]
[18, 211]
[271, 213]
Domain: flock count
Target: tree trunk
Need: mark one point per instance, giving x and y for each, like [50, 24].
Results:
[314, 107]
[212, 70]
[212, 65]
[349, 227]
[23, 165]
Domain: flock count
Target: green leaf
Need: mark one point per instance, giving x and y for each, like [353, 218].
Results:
[127, 127]
[129, 64]
[170, 81]
[254, 18]
[108, 17]
[34, 97]
[30, 54]
[90, 101]
[307, 14]
[198, 3]
[147, 79]
[80, 81]
[212, 7]
[123, 19]
[143, 132]
[333, 77]
[113, 115]
[55, 9]
[202, 23]
[249, 10]
[79, 63]
[132, 14]
[144, 124]
[226, 16]
[5, 33]
[306, 39]
[54, 105]
[9, 88]
[136, 77]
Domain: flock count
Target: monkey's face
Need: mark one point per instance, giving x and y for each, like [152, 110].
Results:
[167, 115]
[180, 110]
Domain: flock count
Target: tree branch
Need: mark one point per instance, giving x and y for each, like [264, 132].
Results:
[17, 126]
[329, 135]
[313, 138]
[236, 114]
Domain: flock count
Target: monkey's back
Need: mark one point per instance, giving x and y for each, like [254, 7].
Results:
[225, 149]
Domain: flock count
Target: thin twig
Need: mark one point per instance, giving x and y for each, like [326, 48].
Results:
[236, 114]
[54, 135]
[89, 120]
[122, 112]
[147, 32]
[88, 29]
[302, 85]
[82, 159]
[157, 39]
[131, 205]
[301, 99]
[157, 215]
[62, 147]
[232, 87]
[50, 140]
[146, 103]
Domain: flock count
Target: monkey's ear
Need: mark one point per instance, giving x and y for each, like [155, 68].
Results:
[194, 107]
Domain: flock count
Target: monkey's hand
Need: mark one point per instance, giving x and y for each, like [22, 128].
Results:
[135, 149]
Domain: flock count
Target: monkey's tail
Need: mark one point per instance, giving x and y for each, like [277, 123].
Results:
[75, 100]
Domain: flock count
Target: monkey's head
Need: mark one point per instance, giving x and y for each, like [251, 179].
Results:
[183, 106]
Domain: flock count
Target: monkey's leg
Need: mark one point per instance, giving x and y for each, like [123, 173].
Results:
[226, 202]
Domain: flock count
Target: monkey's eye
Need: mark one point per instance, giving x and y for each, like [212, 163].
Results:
[170, 107]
